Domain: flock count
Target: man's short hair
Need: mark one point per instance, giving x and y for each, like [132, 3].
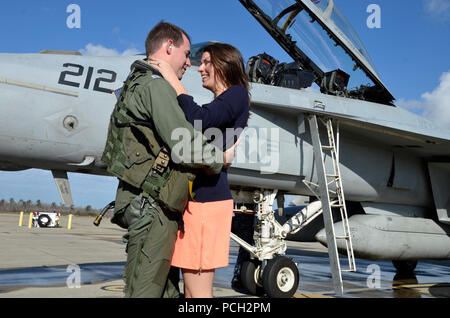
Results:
[161, 33]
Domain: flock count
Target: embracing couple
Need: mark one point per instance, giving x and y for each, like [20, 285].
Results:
[177, 211]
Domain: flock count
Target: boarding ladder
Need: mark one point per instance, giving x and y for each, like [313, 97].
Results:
[331, 198]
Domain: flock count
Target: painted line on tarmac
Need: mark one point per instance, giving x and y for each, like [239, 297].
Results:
[311, 295]
[114, 288]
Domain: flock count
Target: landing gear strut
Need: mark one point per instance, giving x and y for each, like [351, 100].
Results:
[268, 270]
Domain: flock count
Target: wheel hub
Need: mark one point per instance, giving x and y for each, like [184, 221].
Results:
[285, 279]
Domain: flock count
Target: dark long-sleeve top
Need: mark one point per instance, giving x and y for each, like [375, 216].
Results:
[228, 110]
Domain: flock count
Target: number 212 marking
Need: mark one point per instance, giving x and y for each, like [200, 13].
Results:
[80, 71]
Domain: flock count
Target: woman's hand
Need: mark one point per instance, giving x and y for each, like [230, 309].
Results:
[163, 67]
[169, 75]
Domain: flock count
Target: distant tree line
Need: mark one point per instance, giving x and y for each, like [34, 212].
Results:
[29, 206]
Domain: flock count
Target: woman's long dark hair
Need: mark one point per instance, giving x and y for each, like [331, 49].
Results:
[228, 64]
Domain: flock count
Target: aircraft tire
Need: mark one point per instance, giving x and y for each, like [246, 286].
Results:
[280, 277]
[251, 277]
[405, 267]
[44, 220]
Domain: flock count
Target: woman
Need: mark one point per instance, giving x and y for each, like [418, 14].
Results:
[207, 220]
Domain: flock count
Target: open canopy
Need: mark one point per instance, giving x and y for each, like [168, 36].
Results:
[317, 35]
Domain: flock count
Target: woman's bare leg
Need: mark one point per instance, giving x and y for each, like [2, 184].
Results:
[198, 284]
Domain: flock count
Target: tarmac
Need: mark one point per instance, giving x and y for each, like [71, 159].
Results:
[87, 262]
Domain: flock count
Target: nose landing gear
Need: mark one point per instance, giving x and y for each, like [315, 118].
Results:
[269, 271]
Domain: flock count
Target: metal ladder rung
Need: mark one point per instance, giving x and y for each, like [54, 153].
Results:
[332, 176]
[330, 182]
[337, 205]
[332, 191]
[342, 237]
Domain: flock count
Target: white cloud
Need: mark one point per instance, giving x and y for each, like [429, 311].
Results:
[434, 106]
[99, 50]
[437, 103]
[412, 105]
[439, 8]
[131, 51]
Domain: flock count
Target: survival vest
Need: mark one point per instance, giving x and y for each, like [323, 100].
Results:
[135, 154]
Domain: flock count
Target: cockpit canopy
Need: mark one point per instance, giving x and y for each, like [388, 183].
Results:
[320, 40]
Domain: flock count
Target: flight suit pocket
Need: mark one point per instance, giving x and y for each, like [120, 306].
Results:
[132, 271]
[158, 248]
[138, 161]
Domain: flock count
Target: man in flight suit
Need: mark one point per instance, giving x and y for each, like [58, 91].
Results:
[153, 180]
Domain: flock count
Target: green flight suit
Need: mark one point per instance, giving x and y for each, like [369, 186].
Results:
[152, 229]
[149, 251]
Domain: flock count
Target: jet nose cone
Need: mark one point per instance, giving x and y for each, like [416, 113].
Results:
[321, 237]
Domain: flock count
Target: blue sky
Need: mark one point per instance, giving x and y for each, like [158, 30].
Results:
[411, 52]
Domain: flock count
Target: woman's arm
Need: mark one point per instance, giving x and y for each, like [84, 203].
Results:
[221, 112]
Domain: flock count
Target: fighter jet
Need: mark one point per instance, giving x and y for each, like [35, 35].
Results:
[324, 126]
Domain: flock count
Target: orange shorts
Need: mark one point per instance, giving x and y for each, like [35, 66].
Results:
[205, 243]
